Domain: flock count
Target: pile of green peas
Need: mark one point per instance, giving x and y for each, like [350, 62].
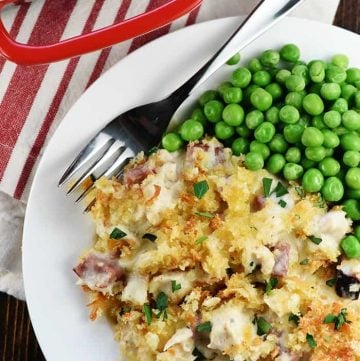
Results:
[300, 120]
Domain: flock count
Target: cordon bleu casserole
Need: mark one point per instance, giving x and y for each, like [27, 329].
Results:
[198, 258]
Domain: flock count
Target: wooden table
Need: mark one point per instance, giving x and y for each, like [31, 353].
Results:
[17, 339]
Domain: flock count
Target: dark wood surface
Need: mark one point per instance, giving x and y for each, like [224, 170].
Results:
[17, 339]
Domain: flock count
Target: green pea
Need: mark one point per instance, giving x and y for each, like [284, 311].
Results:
[332, 119]
[332, 190]
[331, 139]
[352, 178]
[357, 232]
[293, 133]
[329, 167]
[241, 77]
[315, 153]
[329, 152]
[348, 91]
[191, 130]
[292, 171]
[275, 90]
[295, 99]
[257, 147]
[290, 53]
[264, 132]
[282, 75]
[248, 91]
[232, 95]
[340, 60]
[172, 142]
[278, 144]
[352, 209]
[233, 114]
[240, 146]
[312, 180]
[307, 163]
[340, 105]
[350, 141]
[243, 131]
[340, 131]
[312, 137]
[295, 83]
[255, 65]
[261, 78]
[208, 96]
[275, 163]
[223, 86]
[254, 161]
[330, 91]
[317, 72]
[213, 110]
[261, 99]
[351, 120]
[254, 118]
[234, 59]
[293, 155]
[316, 88]
[318, 122]
[357, 100]
[272, 115]
[350, 246]
[199, 115]
[223, 130]
[313, 104]
[351, 158]
[302, 70]
[335, 74]
[289, 114]
[270, 58]
[353, 75]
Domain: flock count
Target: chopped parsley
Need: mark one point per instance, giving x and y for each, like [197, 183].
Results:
[263, 327]
[151, 237]
[315, 240]
[148, 314]
[294, 318]
[282, 203]
[175, 286]
[204, 327]
[117, 233]
[205, 214]
[271, 284]
[267, 186]
[331, 282]
[304, 262]
[200, 189]
[311, 341]
[161, 305]
[201, 240]
[280, 190]
[338, 320]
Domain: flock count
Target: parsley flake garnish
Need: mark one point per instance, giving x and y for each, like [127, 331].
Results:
[294, 318]
[311, 341]
[117, 233]
[267, 186]
[330, 318]
[205, 214]
[161, 305]
[201, 240]
[315, 240]
[263, 327]
[148, 314]
[280, 190]
[338, 320]
[271, 284]
[175, 286]
[331, 282]
[204, 327]
[304, 262]
[151, 237]
[282, 203]
[200, 189]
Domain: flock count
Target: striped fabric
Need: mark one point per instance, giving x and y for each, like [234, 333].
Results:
[34, 99]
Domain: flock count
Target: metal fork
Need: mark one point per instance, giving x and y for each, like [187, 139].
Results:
[141, 128]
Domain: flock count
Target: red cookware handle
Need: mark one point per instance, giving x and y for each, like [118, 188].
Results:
[99, 39]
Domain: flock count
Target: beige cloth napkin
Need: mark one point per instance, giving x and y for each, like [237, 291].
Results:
[12, 211]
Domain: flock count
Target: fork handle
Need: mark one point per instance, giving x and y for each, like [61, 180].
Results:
[266, 14]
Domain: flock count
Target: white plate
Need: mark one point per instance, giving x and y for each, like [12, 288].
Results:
[56, 231]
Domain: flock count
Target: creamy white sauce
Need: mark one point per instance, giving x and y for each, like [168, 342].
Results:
[136, 290]
[252, 257]
[182, 336]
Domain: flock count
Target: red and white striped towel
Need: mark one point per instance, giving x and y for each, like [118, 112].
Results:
[34, 99]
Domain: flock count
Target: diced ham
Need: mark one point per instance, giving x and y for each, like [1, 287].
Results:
[215, 153]
[281, 254]
[257, 203]
[99, 271]
[137, 174]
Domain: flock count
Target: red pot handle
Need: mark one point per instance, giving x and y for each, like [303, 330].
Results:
[99, 39]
